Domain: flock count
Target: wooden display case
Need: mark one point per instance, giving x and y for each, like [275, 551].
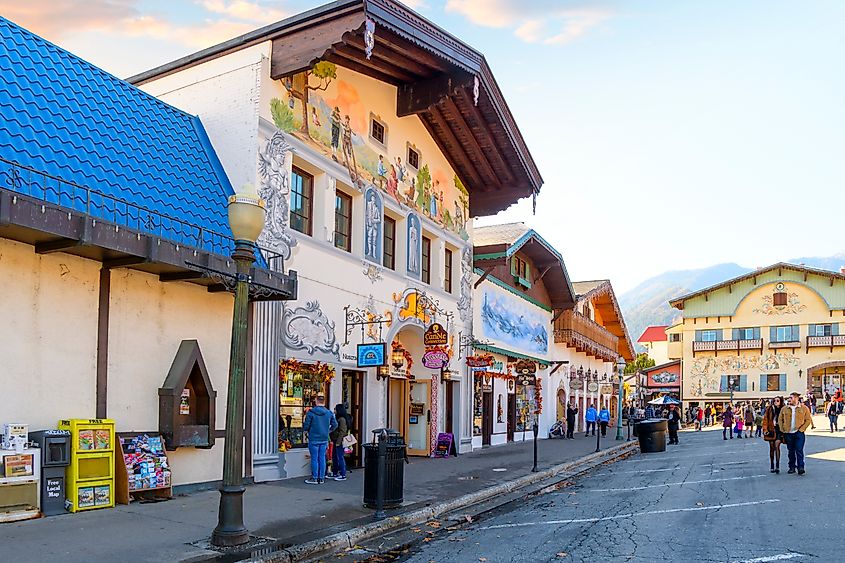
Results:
[187, 401]
[127, 486]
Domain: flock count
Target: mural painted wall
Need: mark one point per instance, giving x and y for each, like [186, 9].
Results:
[511, 321]
[332, 108]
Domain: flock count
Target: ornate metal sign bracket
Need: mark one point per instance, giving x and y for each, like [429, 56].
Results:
[363, 318]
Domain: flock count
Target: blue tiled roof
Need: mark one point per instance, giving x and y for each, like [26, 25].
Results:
[148, 165]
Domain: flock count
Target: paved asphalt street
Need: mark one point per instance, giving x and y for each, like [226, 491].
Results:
[704, 500]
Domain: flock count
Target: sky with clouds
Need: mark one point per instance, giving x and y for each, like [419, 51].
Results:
[671, 134]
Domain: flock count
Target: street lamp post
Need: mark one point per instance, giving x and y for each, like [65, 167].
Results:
[620, 367]
[731, 389]
[246, 219]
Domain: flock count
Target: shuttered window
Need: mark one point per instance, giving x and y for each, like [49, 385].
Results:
[750, 333]
[789, 333]
[711, 335]
[772, 382]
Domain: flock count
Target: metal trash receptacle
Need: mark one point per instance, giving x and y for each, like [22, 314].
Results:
[394, 482]
[651, 434]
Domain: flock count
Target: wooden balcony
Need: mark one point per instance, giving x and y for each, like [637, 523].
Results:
[727, 346]
[825, 341]
[585, 335]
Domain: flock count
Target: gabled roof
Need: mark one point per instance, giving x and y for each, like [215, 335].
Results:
[603, 298]
[64, 117]
[439, 78]
[654, 334]
[678, 302]
[500, 242]
[661, 366]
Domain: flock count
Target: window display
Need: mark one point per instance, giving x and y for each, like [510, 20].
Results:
[524, 407]
[299, 384]
[478, 405]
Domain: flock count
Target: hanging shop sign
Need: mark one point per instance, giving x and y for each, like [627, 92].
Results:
[480, 361]
[592, 387]
[372, 355]
[527, 379]
[525, 367]
[607, 389]
[436, 358]
[576, 384]
[487, 383]
[436, 335]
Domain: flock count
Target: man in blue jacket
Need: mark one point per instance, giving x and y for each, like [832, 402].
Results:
[319, 423]
[590, 417]
[604, 420]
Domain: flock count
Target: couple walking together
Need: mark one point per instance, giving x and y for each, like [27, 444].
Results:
[787, 424]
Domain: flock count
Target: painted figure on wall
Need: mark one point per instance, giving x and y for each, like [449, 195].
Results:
[335, 132]
[414, 244]
[374, 208]
[499, 410]
[348, 153]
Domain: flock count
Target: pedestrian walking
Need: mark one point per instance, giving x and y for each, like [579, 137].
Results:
[571, 413]
[649, 412]
[740, 423]
[699, 418]
[604, 420]
[590, 418]
[749, 420]
[674, 424]
[712, 414]
[794, 420]
[833, 416]
[319, 423]
[344, 423]
[727, 423]
[758, 423]
[772, 433]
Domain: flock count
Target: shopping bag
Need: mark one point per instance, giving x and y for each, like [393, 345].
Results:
[348, 441]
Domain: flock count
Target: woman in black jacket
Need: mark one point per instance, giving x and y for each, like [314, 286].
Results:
[338, 459]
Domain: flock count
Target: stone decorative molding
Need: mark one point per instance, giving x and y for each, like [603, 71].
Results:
[374, 273]
[274, 170]
[793, 306]
[308, 328]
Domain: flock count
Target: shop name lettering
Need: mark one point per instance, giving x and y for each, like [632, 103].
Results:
[351, 357]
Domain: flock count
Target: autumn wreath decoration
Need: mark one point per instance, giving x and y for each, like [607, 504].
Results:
[323, 372]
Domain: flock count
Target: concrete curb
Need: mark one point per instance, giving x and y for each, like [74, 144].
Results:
[349, 538]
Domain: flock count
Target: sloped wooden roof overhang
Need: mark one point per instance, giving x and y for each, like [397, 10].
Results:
[549, 263]
[443, 81]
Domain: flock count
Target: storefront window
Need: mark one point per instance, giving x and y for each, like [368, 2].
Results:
[299, 384]
[478, 405]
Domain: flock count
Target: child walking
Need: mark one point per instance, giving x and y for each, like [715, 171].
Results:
[739, 427]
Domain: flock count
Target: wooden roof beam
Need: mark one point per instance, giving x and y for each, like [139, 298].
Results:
[351, 53]
[464, 161]
[485, 127]
[351, 64]
[399, 45]
[422, 95]
[389, 56]
[473, 142]
[299, 50]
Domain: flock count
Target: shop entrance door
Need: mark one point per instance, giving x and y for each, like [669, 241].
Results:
[419, 418]
[397, 404]
[511, 415]
[487, 426]
[352, 392]
[450, 403]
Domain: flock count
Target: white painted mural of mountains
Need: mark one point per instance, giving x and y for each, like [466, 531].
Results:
[648, 303]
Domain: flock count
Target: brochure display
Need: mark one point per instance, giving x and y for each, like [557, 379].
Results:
[90, 475]
[142, 468]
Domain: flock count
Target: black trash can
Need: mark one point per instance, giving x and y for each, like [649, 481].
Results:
[651, 434]
[395, 459]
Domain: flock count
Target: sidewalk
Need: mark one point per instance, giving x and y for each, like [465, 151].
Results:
[289, 510]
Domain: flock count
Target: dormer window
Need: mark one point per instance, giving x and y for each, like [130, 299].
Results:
[521, 272]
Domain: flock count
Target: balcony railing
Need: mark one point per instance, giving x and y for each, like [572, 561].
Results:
[69, 195]
[585, 335]
[785, 344]
[825, 341]
[727, 345]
